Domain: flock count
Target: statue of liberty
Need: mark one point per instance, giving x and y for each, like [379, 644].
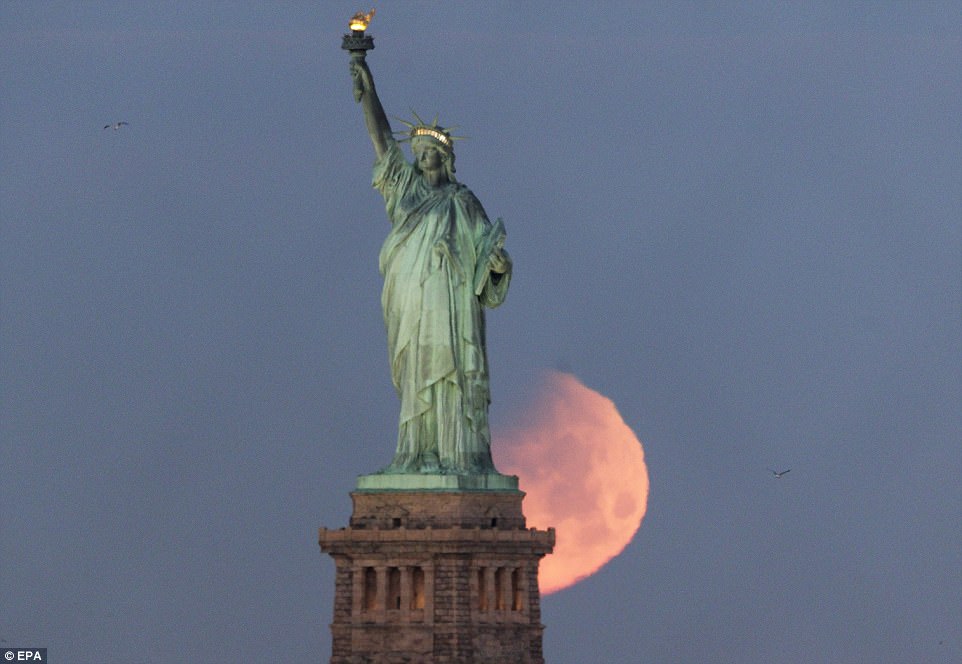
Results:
[442, 261]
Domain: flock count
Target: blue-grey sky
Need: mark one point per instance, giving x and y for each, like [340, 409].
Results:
[741, 223]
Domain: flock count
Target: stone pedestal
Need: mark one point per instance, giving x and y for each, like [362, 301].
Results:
[432, 576]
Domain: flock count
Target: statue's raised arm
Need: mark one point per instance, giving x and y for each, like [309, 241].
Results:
[376, 120]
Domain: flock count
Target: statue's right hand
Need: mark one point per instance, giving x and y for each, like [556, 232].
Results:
[357, 77]
[360, 75]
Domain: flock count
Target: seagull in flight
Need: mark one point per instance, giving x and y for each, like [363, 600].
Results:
[115, 126]
[779, 473]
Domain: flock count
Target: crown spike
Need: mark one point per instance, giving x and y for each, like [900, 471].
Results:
[417, 117]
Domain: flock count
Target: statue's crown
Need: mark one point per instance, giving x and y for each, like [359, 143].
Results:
[437, 133]
[433, 130]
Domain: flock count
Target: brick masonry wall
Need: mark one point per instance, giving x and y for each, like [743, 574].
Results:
[452, 537]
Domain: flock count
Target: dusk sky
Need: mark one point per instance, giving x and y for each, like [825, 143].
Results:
[741, 223]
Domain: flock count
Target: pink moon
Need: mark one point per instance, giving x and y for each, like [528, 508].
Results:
[583, 470]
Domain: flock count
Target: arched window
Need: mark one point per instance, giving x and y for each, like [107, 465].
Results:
[482, 590]
[393, 588]
[499, 585]
[417, 588]
[516, 590]
[370, 589]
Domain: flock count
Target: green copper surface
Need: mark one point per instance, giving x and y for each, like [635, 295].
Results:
[443, 262]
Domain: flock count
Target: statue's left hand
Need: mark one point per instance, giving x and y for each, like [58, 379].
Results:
[498, 261]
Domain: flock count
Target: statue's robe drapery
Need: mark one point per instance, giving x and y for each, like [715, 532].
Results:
[435, 320]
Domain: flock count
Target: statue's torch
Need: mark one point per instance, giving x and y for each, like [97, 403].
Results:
[358, 43]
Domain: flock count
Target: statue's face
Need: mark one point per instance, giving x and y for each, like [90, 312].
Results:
[429, 158]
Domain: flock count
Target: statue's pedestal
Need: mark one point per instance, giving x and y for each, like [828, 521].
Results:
[437, 573]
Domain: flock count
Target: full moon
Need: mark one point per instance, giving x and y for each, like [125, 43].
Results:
[583, 470]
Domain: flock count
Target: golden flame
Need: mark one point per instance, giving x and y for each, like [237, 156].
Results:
[360, 20]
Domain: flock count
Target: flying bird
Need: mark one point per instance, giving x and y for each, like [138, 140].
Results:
[115, 126]
[779, 473]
